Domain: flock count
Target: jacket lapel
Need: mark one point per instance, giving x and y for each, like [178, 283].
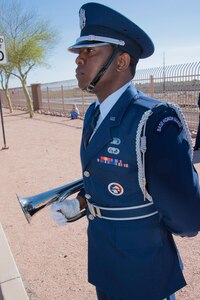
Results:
[103, 134]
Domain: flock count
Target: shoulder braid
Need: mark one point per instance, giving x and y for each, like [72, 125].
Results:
[141, 145]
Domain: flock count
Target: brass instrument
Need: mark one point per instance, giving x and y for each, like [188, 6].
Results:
[33, 204]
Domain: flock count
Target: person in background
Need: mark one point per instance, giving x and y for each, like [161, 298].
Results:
[74, 112]
[197, 141]
[140, 186]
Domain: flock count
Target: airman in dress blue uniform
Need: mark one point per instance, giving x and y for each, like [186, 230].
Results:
[140, 186]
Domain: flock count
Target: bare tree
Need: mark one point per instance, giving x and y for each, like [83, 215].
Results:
[28, 41]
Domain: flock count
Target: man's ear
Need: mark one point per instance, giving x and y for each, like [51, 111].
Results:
[123, 61]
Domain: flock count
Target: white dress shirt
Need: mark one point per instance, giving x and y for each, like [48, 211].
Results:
[108, 104]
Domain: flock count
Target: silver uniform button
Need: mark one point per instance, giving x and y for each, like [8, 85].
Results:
[91, 217]
[86, 174]
[87, 196]
[136, 97]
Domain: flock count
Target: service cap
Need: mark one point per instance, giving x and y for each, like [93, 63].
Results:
[101, 25]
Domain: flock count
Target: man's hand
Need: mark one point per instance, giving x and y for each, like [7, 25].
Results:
[66, 209]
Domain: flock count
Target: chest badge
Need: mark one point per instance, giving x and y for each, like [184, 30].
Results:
[115, 141]
[113, 150]
[115, 189]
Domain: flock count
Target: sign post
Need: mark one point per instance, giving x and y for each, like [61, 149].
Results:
[3, 61]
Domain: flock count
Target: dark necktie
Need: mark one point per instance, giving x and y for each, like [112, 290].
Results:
[91, 126]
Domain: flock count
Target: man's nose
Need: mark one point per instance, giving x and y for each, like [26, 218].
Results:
[79, 60]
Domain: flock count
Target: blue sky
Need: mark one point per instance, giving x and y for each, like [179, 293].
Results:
[173, 25]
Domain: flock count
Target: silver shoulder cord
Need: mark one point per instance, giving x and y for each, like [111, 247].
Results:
[141, 146]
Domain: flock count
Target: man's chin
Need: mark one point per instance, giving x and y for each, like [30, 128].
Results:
[82, 86]
[85, 88]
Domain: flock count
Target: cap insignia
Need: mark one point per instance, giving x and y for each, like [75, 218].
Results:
[82, 18]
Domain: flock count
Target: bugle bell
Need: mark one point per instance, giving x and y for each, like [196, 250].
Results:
[33, 204]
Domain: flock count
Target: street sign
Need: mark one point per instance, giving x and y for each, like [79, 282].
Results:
[3, 58]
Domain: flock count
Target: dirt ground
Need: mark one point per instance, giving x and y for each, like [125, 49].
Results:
[43, 154]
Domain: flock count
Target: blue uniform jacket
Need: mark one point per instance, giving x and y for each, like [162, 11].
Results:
[138, 259]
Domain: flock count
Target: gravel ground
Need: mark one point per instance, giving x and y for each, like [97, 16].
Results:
[43, 154]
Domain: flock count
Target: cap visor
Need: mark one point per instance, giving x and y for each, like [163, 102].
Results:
[85, 44]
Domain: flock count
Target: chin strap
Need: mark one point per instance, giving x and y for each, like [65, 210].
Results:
[96, 79]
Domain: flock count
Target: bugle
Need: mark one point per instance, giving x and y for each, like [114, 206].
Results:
[33, 204]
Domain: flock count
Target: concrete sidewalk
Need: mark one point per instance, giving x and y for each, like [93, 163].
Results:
[11, 285]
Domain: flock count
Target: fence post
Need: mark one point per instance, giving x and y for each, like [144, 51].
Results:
[48, 99]
[151, 86]
[36, 95]
[63, 103]
[18, 97]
